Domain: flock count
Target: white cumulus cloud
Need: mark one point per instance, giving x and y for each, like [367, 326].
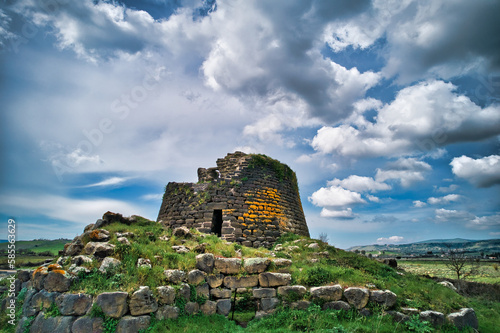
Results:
[390, 240]
[444, 200]
[482, 172]
[335, 196]
[360, 184]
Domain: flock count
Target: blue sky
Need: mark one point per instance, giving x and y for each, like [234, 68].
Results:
[389, 111]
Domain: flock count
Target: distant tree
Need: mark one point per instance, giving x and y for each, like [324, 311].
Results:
[460, 264]
[363, 252]
[323, 237]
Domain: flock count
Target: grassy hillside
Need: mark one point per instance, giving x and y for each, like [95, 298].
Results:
[333, 266]
[38, 245]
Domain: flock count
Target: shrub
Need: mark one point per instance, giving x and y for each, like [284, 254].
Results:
[317, 276]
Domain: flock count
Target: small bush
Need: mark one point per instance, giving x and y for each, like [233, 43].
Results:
[52, 311]
[317, 276]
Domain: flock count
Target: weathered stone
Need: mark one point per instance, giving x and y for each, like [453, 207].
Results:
[57, 280]
[365, 312]
[144, 262]
[80, 260]
[264, 292]
[166, 294]
[228, 265]
[203, 291]
[60, 324]
[223, 306]
[182, 232]
[220, 293]
[123, 240]
[327, 293]
[88, 324]
[180, 249]
[232, 282]
[261, 314]
[127, 234]
[192, 308]
[108, 263]
[448, 284]
[196, 277]
[466, 317]
[43, 300]
[142, 302]
[28, 309]
[300, 305]
[167, 312]
[175, 276]
[113, 304]
[205, 262]
[74, 304]
[268, 279]
[433, 317]
[256, 265]
[267, 304]
[215, 280]
[184, 292]
[129, 324]
[357, 297]
[39, 276]
[73, 269]
[398, 317]
[200, 248]
[292, 291]
[385, 298]
[73, 248]
[209, 308]
[99, 235]
[314, 246]
[100, 250]
[336, 305]
[410, 311]
[280, 262]
[293, 248]
[24, 275]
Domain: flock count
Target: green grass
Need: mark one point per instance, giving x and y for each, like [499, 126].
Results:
[25, 261]
[437, 268]
[39, 245]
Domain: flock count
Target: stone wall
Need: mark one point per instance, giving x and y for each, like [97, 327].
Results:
[248, 199]
[209, 289]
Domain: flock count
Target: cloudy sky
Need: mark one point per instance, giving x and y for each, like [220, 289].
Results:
[389, 111]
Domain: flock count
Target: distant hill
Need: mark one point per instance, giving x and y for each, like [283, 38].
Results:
[38, 245]
[474, 247]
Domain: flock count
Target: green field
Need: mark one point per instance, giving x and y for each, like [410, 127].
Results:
[38, 245]
[489, 272]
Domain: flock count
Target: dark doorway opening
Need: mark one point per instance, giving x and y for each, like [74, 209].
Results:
[217, 222]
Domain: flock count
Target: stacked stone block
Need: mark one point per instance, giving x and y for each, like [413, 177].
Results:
[240, 200]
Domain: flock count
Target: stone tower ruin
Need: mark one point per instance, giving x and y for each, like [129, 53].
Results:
[248, 198]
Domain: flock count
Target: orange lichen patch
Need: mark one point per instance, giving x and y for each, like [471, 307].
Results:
[41, 269]
[59, 271]
[240, 218]
[94, 234]
[54, 267]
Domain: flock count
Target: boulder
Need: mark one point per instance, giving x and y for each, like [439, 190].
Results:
[327, 293]
[300, 305]
[314, 246]
[220, 293]
[108, 263]
[433, 317]
[74, 269]
[144, 262]
[233, 282]
[223, 306]
[74, 304]
[448, 284]
[180, 249]
[142, 302]
[100, 250]
[127, 234]
[192, 308]
[113, 304]
[203, 291]
[28, 309]
[209, 308]
[174, 276]
[39, 276]
[167, 312]
[357, 297]
[261, 314]
[336, 305]
[129, 324]
[293, 248]
[24, 275]
[166, 294]
[398, 317]
[215, 280]
[80, 260]
[73, 248]
[268, 279]
[466, 317]
[60, 324]
[43, 300]
[264, 292]
[385, 298]
[205, 262]
[99, 235]
[123, 240]
[227, 265]
[280, 262]
[182, 232]
[58, 281]
[267, 304]
[256, 265]
[184, 292]
[88, 324]
[292, 291]
[196, 277]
